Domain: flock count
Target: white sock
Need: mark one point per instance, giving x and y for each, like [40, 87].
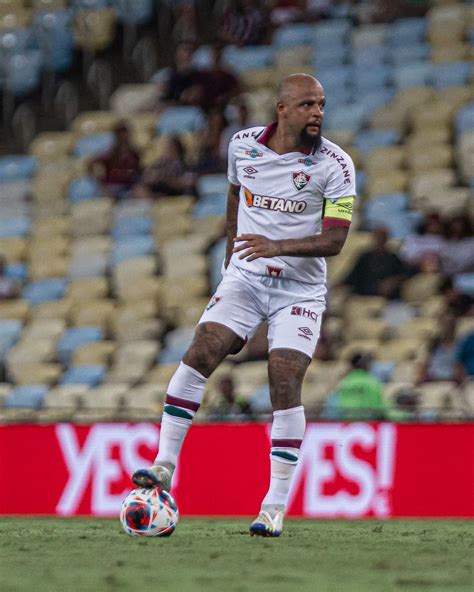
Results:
[287, 434]
[184, 396]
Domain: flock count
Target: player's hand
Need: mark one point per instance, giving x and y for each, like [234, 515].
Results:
[254, 246]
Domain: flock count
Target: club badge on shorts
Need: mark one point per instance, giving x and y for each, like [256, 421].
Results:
[300, 179]
[213, 301]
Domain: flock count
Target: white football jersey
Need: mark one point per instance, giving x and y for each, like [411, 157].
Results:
[283, 196]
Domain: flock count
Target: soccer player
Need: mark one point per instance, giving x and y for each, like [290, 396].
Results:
[289, 206]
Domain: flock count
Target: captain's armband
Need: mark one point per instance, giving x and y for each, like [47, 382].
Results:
[338, 213]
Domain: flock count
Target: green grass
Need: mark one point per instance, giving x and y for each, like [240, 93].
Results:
[75, 555]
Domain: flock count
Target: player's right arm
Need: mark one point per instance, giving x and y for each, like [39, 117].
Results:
[231, 219]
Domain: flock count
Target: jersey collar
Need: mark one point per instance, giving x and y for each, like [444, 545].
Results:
[264, 136]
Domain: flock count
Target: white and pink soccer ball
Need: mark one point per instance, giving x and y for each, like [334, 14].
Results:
[149, 513]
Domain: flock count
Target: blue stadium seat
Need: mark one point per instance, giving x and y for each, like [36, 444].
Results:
[374, 99]
[133, 246]
[91, 4]
[134, 12]
[382, 370]
[45, 290]
[406, 31]
[335, 78]
[242, 59]
[212, 205]
[371, 139]
[92, 375]
[294, 34]
[203, 57]
[176, 344]
[17, 168]
[464, 282]
[10, 331]
[342, 118]
[216, 257]
[327, 57]
[28, 396]
[408, 53]
[53, 30]
[331, 33]
[373, 77]
[180, 120]
[212, 185]
[93, 145]
[361, 180]
[83, 189]
[17, 271]
[73, 338]
[133, 226]
[13, 227]
[452, 74]
[366, 56]
[465, 118]
[23, 72]
[415, 74]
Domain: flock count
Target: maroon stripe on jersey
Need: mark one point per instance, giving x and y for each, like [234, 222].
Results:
[184, 403]
[286, 443]
[265, 135]
[333, 222]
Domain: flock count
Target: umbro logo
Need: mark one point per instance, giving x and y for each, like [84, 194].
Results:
[251, 171]
[305, 332]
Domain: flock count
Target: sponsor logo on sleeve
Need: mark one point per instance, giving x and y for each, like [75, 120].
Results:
[254, 153]
[306, 333]
[251, 171]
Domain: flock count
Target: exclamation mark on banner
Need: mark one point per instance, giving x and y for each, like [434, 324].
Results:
[385, 469]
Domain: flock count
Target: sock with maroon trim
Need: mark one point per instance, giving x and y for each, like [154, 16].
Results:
[185, 393]
[287, 434]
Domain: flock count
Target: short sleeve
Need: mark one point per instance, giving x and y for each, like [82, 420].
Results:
[231, 164]
[341, 181]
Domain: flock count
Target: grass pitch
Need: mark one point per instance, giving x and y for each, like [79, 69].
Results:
[75, 555]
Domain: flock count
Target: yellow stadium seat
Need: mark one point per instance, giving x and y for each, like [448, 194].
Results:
[255, 79]
[129, 374]
[7, 6]
[94, 353]
[420, 328]
[191, 313]
[292, 56]
[441, 395]
[443, 54]
[14, 309]
[184, 266]
[94, 30]
[405, 371]
[392, 181]
[424, 183]
[142, 288]
[449, 201]
[94, 122]
[51, 267]
[107, 396]
[353, 347]
[388, 117]
[15, 18]
[51, 187]
[385, 158]
[57, 309]
[38, 374]
[176, 292]
[86, 289]
[93, 313]
[48, 4]
[13, 249]
[420, 287]
[44, 328]
[365, 328]
[48, 227]
[398, 350]
[45, 247]
[51, 145]
[91, 217]
[138, 329]
[138, 352]
[134, 98]
[465, 325]
[161, 374]
[435, 158]
[65, 396]
[145, 397]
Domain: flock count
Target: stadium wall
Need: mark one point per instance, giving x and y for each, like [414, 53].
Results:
[353, 470]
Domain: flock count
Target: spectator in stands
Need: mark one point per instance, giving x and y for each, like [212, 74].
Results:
[237, 115]
[9, 288]
[465, 358]
[379, 271]
[170, 175]
[229, 403]
[184, 82]
[244, 23]
[441, 361]
[456, 303]
[119, 167]
[219, 85]
[287, 11]
[209, 159]
[457, 255]
[359, 394]
[185, 28]
[423, 250]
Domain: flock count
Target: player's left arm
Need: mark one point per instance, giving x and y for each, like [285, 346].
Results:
[335, 227]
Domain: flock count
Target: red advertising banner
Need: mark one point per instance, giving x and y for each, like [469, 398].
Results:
[352, 470]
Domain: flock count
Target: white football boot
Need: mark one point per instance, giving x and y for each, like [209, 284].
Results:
[157, 476]
[269, 523]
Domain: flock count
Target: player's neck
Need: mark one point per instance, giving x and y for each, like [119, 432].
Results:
[282, 142]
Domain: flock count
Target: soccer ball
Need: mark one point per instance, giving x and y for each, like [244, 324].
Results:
[149, 512]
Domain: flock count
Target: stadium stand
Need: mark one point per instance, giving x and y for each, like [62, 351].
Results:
[112, 284]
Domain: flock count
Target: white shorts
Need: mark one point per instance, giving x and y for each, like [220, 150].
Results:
[243, 300]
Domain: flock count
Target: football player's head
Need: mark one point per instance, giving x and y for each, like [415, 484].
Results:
[300, 106]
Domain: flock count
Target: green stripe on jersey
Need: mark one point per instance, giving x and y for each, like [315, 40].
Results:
[285, 455]
[177, 412]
